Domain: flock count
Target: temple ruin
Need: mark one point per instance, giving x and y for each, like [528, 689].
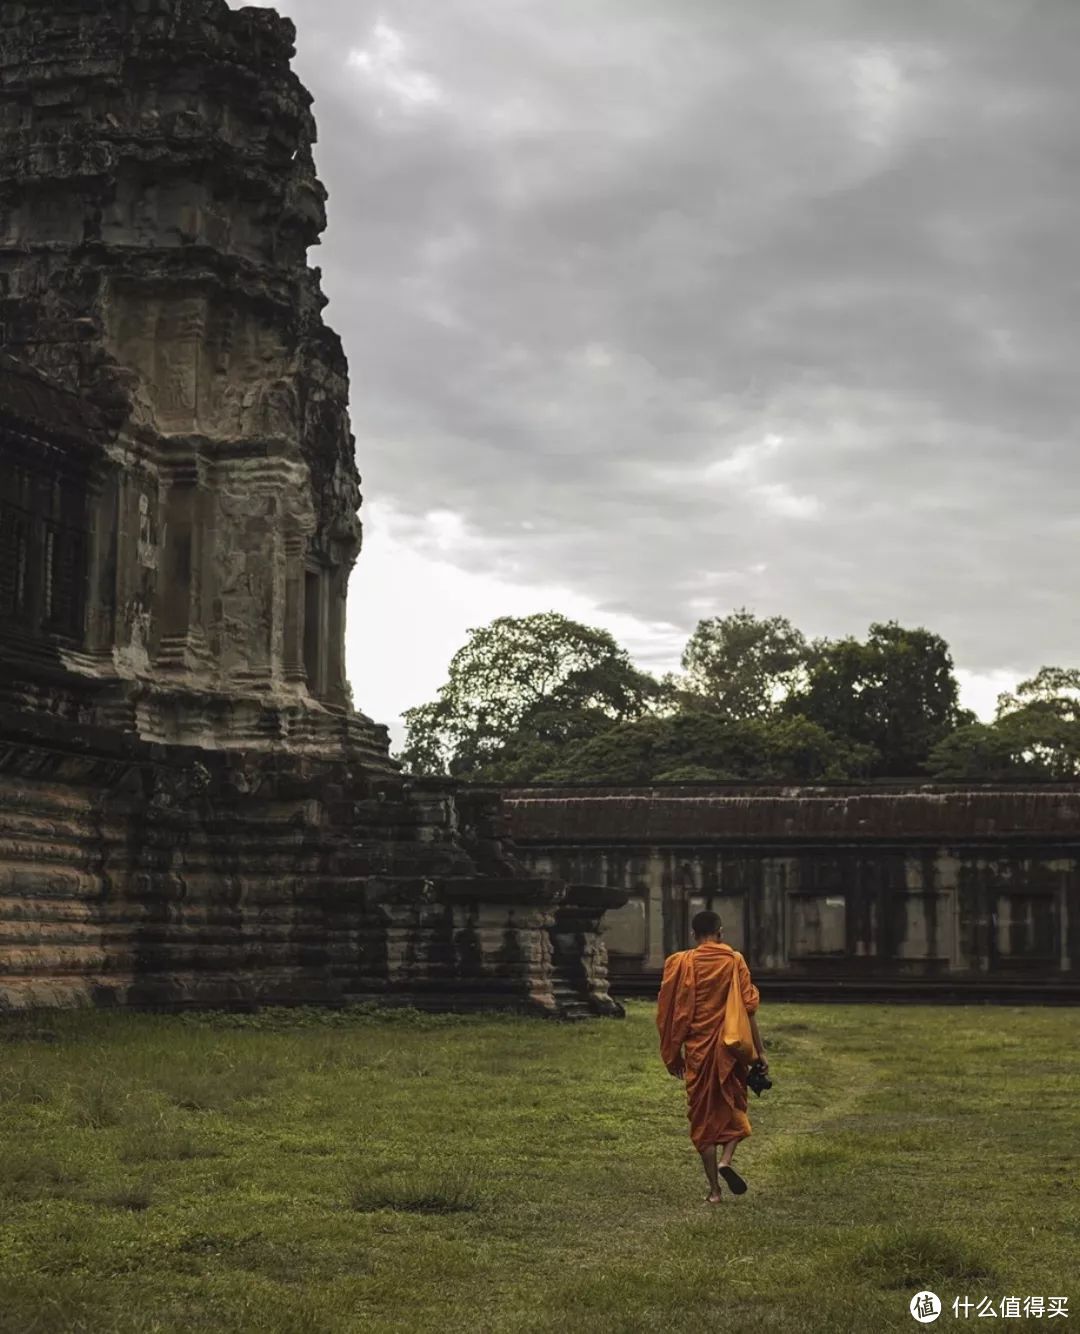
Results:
[191, 810]
[923, 889]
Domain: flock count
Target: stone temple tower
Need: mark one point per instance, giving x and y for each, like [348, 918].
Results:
[191, 811]
[160, 200]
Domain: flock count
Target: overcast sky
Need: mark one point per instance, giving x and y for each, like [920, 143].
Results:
[657, 308]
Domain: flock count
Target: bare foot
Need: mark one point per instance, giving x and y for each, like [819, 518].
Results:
[714, 1197]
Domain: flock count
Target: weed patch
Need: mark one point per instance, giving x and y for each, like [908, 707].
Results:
[134, 1198]
[920, 1257]
[451, 1194]
[35, 1175]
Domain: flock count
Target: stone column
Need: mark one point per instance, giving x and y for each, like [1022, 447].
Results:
[580, 956]
[249, 594]
[103, 535]
[30, 557]
[314, 621]
[202, 573]
[138, 565]
[175, 586]
[335, 587]
[293, 656]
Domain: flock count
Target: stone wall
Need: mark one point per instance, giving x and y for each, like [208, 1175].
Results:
[134, 873]
[160, 201]
[898, 880]
[191, 810]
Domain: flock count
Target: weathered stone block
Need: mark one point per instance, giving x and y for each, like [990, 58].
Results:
[191, 812]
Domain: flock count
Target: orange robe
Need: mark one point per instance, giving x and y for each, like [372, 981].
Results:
[690, 1016]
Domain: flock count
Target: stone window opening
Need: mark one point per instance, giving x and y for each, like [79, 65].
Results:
[43, 555]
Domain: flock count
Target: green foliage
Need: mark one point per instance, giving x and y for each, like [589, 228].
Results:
[797, 748]
[1057, 689]
[638, 752]
[896, 693]
[740, 666]
[691, 773]
[698, 746]
[543, 698]
[978, 751]
[517, 691]
[1036, 734]
[535, 1177]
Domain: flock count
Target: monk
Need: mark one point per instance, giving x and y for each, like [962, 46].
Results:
[690, 1017]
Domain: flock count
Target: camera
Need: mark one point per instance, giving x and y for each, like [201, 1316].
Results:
[758, 1080]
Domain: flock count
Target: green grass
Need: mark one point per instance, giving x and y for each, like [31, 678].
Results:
[299, 1172]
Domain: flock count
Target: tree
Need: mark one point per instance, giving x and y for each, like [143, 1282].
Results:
[1036, 734]
[741, 666]
[794, 749]
[517, 691]
[656, 749]
[895, 693]
[624, 753]
[1055, 689]
[702, 747]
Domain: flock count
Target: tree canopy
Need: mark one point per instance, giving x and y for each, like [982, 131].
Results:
[520, 688]
[895, 692]
[1036, 734]
[697, 747]
[544, 698]
[740, 666]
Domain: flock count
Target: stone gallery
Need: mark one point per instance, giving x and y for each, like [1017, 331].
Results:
[921, 889]
[191, 810]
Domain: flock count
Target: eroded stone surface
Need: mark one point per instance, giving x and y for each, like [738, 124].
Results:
[161, 201]
[191, 811]
[906, 882]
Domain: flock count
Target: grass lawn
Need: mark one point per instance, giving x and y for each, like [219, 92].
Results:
[303, 1171]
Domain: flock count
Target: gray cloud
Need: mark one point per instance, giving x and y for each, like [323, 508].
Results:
[691, 305]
